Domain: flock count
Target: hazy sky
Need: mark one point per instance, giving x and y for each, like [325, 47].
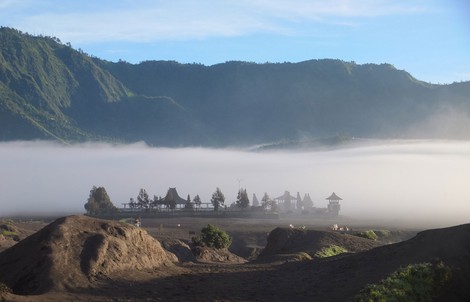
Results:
[428, 38]
[424, 180]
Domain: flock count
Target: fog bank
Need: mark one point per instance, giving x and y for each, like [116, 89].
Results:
[427, 180]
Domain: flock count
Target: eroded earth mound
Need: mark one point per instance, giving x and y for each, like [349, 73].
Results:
[337, 279]
[210, 255]
[179, 248]
[72, 251]
[290, 241]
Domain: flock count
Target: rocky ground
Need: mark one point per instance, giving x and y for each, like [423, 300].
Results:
[82, 259]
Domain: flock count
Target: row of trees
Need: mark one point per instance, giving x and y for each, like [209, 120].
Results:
[144, 202]
[99, 202]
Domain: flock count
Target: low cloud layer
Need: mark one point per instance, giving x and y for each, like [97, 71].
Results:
[425, 180]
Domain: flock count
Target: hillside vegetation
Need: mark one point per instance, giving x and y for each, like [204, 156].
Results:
[48, 90]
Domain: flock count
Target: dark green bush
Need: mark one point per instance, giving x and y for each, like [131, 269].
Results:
[330, 251]
[382, 233]
[367, 234]
[417, 282]
[197, 241]
[212, 236]
[9, 233]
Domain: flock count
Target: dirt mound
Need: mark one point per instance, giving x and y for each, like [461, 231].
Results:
[248, 244]
[354, 271]
[450, 245]
[289, 241]
[180, 249]
[72, 251]
[210, 255]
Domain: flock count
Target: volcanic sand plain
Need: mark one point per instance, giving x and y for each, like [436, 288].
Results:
[264, 263]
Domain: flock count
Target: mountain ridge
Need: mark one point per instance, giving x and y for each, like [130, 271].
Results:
[48, 90]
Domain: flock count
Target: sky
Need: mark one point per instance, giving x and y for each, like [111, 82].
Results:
[428, 38]
[407, 181]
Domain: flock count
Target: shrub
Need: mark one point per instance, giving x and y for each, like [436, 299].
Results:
[417, 282]
[197, 241]
[9, 233]
[367, 234]
[383, 233]
[330, 251]
[212, 236]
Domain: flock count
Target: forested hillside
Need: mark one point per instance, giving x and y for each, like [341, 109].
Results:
[48, 90]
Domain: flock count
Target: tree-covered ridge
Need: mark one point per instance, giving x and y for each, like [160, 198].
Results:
[50, 90]
[277, 101]
[41, 80]
[52, 75]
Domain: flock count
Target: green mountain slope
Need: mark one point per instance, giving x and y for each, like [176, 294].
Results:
[51, 91]
[39, 79]
[319, 98]
[48, 90]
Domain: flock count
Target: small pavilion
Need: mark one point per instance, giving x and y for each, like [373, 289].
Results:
[173, 197]
[333, 204]
[285, 200]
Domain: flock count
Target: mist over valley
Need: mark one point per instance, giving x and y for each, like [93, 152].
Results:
[401, 181]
